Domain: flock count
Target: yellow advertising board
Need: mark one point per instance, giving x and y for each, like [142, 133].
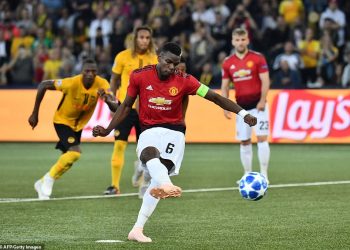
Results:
[296, 116]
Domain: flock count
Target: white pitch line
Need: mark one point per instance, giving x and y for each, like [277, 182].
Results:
[109, 241]
[19, 200]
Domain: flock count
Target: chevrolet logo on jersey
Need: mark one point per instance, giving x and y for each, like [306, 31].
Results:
[160, 101]
[242, 73]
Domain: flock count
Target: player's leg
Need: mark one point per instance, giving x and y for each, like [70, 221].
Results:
[262, 132]
[243, 134]
[147, 150]
[157, 143]
[149, 203]
[69, 145]
[121, 134]
[146, 180]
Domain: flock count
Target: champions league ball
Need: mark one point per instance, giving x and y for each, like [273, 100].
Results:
[253, 186]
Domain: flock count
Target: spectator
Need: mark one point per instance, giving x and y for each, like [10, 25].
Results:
[292, 11]
[290, 56]
[66, 21]
[241, 18]
[327, 62]
[201, 50]
[21, 68]
[337, 21]
[200, 13]
[286, 78]
[207, 76]
[103, 22]
[274, 39]
[117, 37]
[23, 39]
[52, 65]
[309, 50]
[345, 80]
[40, 15]
[25, 20]
[40, 57]
[41, 39]
[181, 20]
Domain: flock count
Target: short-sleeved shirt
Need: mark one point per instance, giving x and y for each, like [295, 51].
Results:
[244, 73]
[78, 103]
[311, 47]
[125, 62]
[161, 101]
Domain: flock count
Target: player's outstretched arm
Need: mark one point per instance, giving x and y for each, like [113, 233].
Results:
[108, 99]
[225, 90]
[229, 105]
[43, 86]
[122, 111]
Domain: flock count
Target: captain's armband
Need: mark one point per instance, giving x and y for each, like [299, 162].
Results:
[202, 90]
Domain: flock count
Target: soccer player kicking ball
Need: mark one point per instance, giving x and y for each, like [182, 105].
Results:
[80, 96]
[161, 145]
[249, 72]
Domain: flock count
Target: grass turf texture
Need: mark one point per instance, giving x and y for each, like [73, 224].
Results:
[315, 217]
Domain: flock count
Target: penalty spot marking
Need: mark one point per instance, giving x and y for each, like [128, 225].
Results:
[307, 184]
[109, 241]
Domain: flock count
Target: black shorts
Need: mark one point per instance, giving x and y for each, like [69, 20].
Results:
[68, 137]
[122, 131]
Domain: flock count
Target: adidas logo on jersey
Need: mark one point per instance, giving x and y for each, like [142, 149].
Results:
[149, 87]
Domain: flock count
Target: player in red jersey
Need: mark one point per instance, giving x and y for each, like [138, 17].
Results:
[161, 145]
[249, 73]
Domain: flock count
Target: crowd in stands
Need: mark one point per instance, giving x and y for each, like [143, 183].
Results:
[306, 43]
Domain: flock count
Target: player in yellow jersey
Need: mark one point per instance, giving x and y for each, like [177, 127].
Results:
[80, 96]
[141, 52]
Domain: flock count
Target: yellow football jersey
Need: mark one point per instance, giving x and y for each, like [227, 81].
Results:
[125, 63]
[78, 103]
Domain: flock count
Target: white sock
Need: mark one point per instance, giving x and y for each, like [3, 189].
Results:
[139, 165]
[149, 204]
[158, 172]
[246, 152]
[47, 186]
[264, 157]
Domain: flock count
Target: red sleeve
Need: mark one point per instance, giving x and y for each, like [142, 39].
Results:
[263, 67]
[192, 85]
[133, 88]
[225, 73]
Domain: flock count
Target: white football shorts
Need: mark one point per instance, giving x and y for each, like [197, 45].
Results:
[170, 143]
[262, 127]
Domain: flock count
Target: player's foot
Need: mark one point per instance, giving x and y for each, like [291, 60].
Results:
[37, 187]
[111, 190]
[136, 234]
[47, 184]
[136, 178]
[166, 191]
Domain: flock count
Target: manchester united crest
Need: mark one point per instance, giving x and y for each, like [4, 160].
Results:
[250, 64]
[173, 91]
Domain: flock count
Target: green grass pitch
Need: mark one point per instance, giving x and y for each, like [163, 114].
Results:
[299, 217]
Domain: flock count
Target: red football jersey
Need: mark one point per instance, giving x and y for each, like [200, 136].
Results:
[244, 73]
[160, 102]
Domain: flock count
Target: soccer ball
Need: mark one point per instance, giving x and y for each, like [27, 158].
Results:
[253, 186]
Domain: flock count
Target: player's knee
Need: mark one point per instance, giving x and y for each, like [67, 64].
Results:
[262, 138]
[246, 142]
[148, 154]
[75, 156]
